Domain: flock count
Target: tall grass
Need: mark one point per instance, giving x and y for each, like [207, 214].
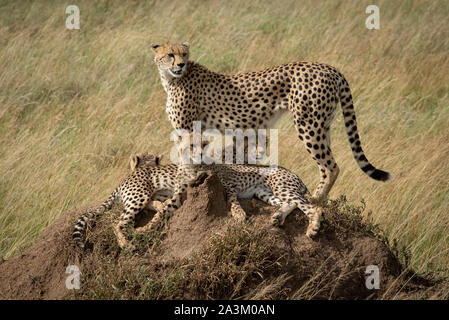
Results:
[74, 104]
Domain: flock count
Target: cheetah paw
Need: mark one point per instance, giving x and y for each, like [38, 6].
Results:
[126, 245]
[239, 216]
[276, 221]
[129, 247]
[312, 231]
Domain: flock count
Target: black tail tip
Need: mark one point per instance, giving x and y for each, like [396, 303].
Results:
[381, 175]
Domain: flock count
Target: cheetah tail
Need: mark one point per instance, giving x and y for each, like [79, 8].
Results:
[80, 225]
[353, 136]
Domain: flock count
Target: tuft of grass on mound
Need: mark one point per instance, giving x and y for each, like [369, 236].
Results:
[222, 268]
[228, 263]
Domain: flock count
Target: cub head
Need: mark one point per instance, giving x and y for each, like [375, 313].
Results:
[171, 58]
[188, 151]
[144, 160]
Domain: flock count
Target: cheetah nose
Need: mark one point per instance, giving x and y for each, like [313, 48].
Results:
[181, 65]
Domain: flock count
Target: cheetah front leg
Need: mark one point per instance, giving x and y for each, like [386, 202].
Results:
[278, 218]
[164, 210]
[237, 211]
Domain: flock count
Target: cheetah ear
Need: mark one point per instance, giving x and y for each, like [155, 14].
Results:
[134, 161]
[158, 159]
[186, 44]
[204, 145]
[155, 46]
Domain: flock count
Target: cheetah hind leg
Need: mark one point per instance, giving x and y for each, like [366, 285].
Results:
[312, 212]
[163, 210]
[278, 218]
[157, 220]
[317, 143]
[158, 207]
[126, 220]
[153, 224]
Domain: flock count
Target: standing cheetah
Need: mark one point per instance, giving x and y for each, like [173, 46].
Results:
[310, 91]
[151, 181]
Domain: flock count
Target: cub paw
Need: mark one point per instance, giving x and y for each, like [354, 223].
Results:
[312, 230]
[239, 215]
[276, 221]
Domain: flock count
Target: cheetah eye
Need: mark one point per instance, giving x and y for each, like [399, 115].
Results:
[171, 55]
[184, 54]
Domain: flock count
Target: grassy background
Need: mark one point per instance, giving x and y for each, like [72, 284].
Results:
[75, 104]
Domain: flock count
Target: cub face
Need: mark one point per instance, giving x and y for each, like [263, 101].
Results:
[144, 160]
[171, 58]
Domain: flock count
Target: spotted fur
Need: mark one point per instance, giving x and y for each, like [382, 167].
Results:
[275, 186]
[147, 183]
[309, 91]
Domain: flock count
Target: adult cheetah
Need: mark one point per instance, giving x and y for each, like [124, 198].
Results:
[310, 91]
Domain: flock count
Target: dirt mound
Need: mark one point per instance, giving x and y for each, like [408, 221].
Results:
[205, 209]
[202, 253]
[39, 273]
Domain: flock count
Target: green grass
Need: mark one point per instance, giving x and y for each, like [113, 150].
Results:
[75, 104]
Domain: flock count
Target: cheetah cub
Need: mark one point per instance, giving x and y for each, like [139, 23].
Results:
[275, 186]
[151, 183]
[146, 186]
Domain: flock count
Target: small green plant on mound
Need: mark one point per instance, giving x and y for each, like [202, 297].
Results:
[357, 220]
[354, 217]
[145, 241]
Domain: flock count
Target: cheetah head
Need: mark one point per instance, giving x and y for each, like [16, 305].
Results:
[171, 58]
[188, 150]
[144, 160]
